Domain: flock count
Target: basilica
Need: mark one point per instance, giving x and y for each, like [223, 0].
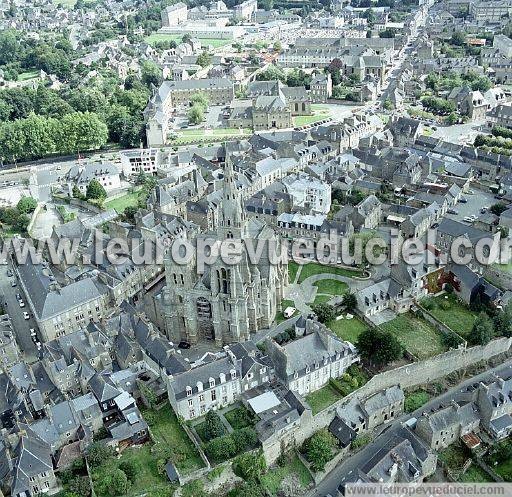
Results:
[226, 302]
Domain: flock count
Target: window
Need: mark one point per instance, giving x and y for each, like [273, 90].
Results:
[189, 391]
[201, 398]
[212, 382]
[190, 402]
[214, 395]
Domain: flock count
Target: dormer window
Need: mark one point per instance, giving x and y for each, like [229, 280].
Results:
[307, 369]
[199, 386]
[212, 382]
[233, 374]
[189, 391]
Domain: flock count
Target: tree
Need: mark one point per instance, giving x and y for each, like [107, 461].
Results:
[498, 208]
[324, 312]
[250, 466]
[248, 489]
[81, 131]
[200, 99]
[195, 114]
[111, 483]
[349, 301]
[204, 59]
[379, 346]
[458, 38]
[130, 212]
[98, 453]
[95, 191]
[22, 223]
[387, 104]
[277, 46]
[193, 488]
[272, 73]
[370, 17]
[80, 486]
[503, 321]
[129, 468]
[482, 330]
[213, 426]
[77, 193]
[221, 448]
[27, 205]
[319, 449]
[151, 75]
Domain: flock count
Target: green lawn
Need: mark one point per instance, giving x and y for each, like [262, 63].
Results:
[506, 268]
[416, 335]
[314, 268]
[121, 203]
[167, 429]
[348, 329]
[215, 131]
[273, 479]
[156, 37]
[331, 287]
[25, 76]
[414, 400]
[293, 267]
[304, 120]
[322, 398]
[148, 480]
[321, 299]
[452, 313]
[475, 474]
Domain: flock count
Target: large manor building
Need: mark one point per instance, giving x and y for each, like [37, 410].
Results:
[227, 302]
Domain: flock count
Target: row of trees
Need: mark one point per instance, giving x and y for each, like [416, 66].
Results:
[38, 136]
[452, 80]
[438, 105]
[17, 218]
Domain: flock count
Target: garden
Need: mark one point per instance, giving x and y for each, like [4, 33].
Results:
[415, 399]
[416, 335]
[347, 329]
[451, 312]
[336, 389]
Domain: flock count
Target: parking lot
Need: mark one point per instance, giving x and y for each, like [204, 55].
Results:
[20, 325]
[474, 203]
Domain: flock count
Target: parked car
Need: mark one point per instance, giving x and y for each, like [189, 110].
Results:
[26, 315]
[463, 200]
[452, 211]
[13, 283]
[18, 296]
[22, 304]
[468, 219]
[184, 345]
[9, 273]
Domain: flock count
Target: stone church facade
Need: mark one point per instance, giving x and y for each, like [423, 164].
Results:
[227, 302]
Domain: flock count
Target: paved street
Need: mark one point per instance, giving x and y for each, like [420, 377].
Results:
[473, 205]
[20, 325]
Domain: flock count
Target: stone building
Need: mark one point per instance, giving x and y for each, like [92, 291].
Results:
[227, 301]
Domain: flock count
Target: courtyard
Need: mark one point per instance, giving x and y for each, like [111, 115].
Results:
[451, 312]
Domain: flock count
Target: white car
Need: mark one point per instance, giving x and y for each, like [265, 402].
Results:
[22, 304]
[468, 219]
[26, 316]
[32, 332]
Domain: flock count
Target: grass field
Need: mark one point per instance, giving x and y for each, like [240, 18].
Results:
[321, 299]
[148, 479]
[273, 479]
[416, 336]
[199, 135]
[452, 313]
[239, 417]
[156, 37]
[453, 456]
[331, 287]
[167, 429]
[121, 203]
[347, 329]
[284, 304]
[414, 400]
[25, 76]
[322, 398]
[314, 268]
[293, 267]
[320, 112]
[475, 474]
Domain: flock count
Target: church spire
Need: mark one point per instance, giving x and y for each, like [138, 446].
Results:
[231, 214]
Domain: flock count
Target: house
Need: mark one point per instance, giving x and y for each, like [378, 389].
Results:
[307, 363]
[501, 115]
[367, 213]
[218, 383]
[61, 309]
[405, 130]
[469, 103]
[360, 415]
[446, 425]
[320, 88]
[494, 401]
[106, 174]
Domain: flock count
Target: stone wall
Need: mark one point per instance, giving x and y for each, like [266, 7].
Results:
[408, 376]
[85, 205]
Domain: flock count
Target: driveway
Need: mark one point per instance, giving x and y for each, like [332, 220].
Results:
[45, 221]
[20, 325]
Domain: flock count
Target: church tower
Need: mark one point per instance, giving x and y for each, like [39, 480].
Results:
[231, 215]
